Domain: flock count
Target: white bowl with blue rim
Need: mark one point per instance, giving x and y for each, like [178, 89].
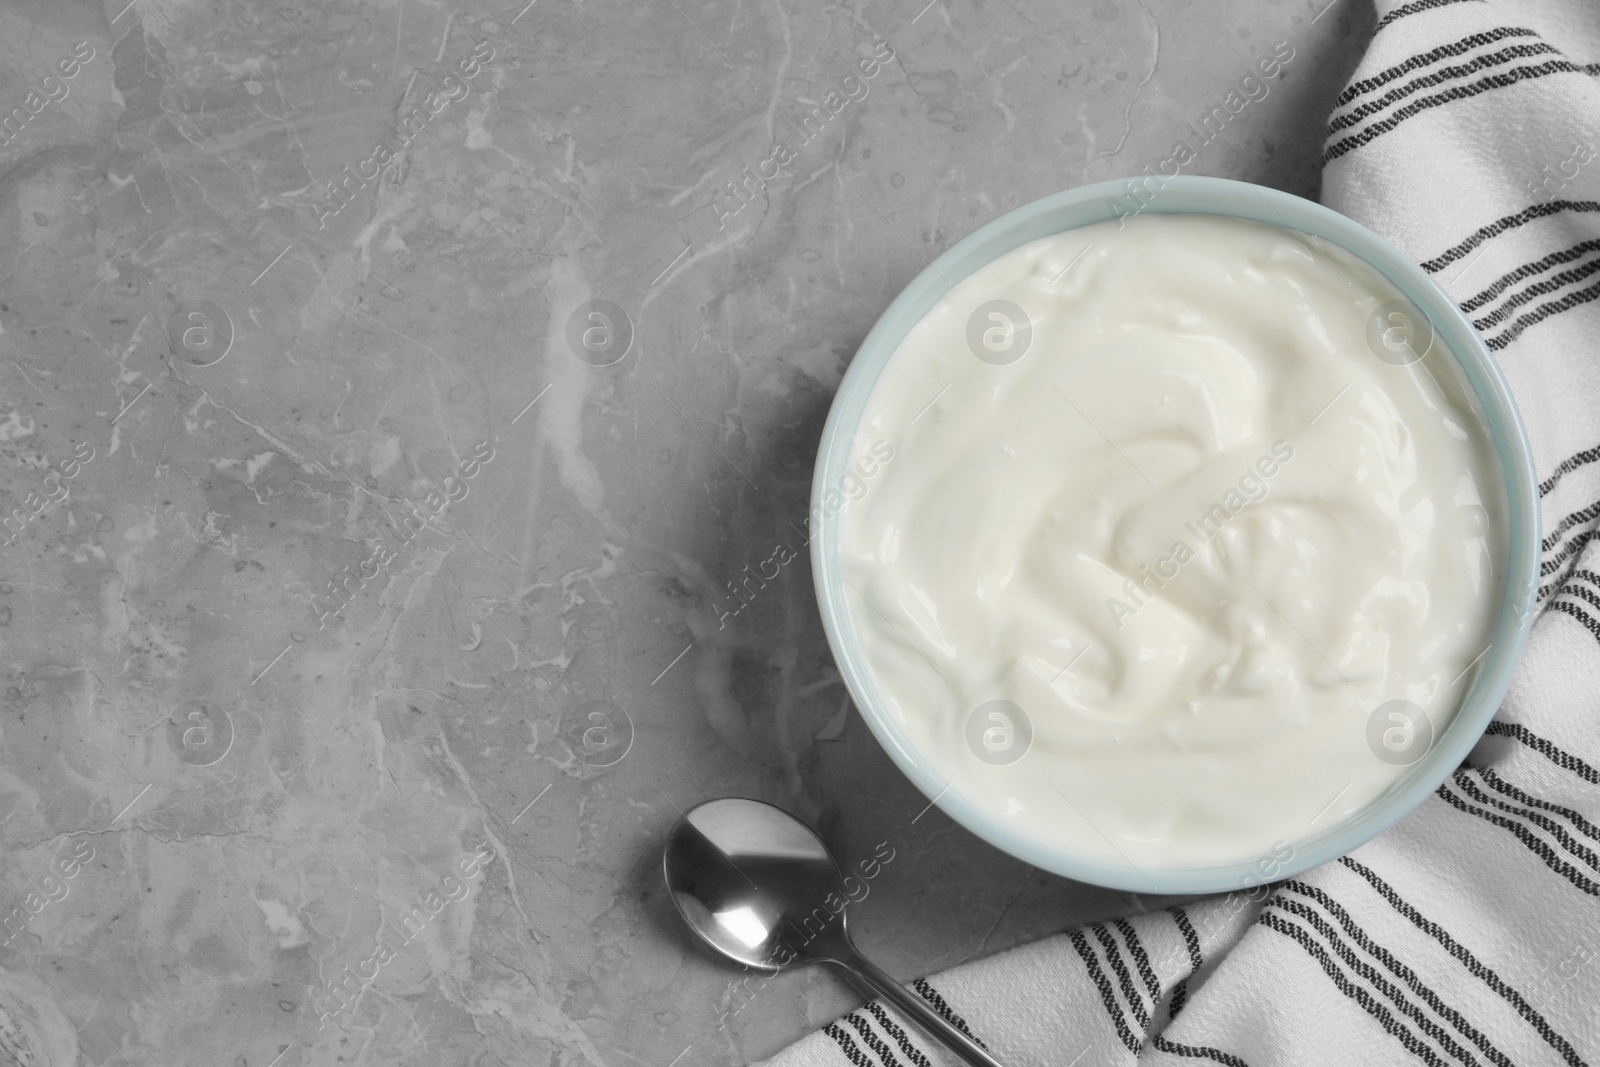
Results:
[1084, 206]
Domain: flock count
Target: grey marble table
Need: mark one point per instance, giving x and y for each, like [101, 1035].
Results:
[393, 396]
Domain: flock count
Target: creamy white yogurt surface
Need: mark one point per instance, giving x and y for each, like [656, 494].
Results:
[1189, 503]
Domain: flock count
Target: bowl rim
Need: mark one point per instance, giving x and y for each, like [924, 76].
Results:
[1187, 194]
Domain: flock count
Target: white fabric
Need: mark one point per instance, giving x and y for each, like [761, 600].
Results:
[1471, 932]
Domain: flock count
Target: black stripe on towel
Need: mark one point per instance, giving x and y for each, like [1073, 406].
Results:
[1107, 998]
[1442, 76]
[1412, 8]
[1358, 993]
[1464, 782]
[1574, 581]
[1528, 270]
[852, 1053]
[872, 1040]
[1552, 587]
[1533, 844]
[1141, 960]
[1577, 518]
[1461, 953]
[931, 995]
[1585, 575]
[1567, 466]
[1542, 312]
[1577, 613]
[1565, 760]
[1555, 282]
[1510, 222]
[1505, 788]
[1195, 1052]
[1558, 585]
[1569, 589]
[893, 1029]
[1399, 970]
[1574, 546]
[1460, 92]
[1129, 992]
[1426, 59]
[1180, 992]
[1362, 973]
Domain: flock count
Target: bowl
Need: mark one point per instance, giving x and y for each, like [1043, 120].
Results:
[1210, 196]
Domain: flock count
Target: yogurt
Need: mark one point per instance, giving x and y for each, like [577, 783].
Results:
[1190, 544]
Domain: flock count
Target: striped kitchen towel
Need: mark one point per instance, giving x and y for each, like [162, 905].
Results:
[1470, 933]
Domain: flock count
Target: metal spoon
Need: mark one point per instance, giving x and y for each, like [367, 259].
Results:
[758, 886]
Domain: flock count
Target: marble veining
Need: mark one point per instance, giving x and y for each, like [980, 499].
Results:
[407, 411]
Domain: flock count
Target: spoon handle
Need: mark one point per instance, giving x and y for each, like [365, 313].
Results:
[916, 1009]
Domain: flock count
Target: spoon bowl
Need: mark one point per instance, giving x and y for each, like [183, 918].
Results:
[720, 852]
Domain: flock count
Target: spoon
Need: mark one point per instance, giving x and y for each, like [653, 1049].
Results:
[755, 883]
